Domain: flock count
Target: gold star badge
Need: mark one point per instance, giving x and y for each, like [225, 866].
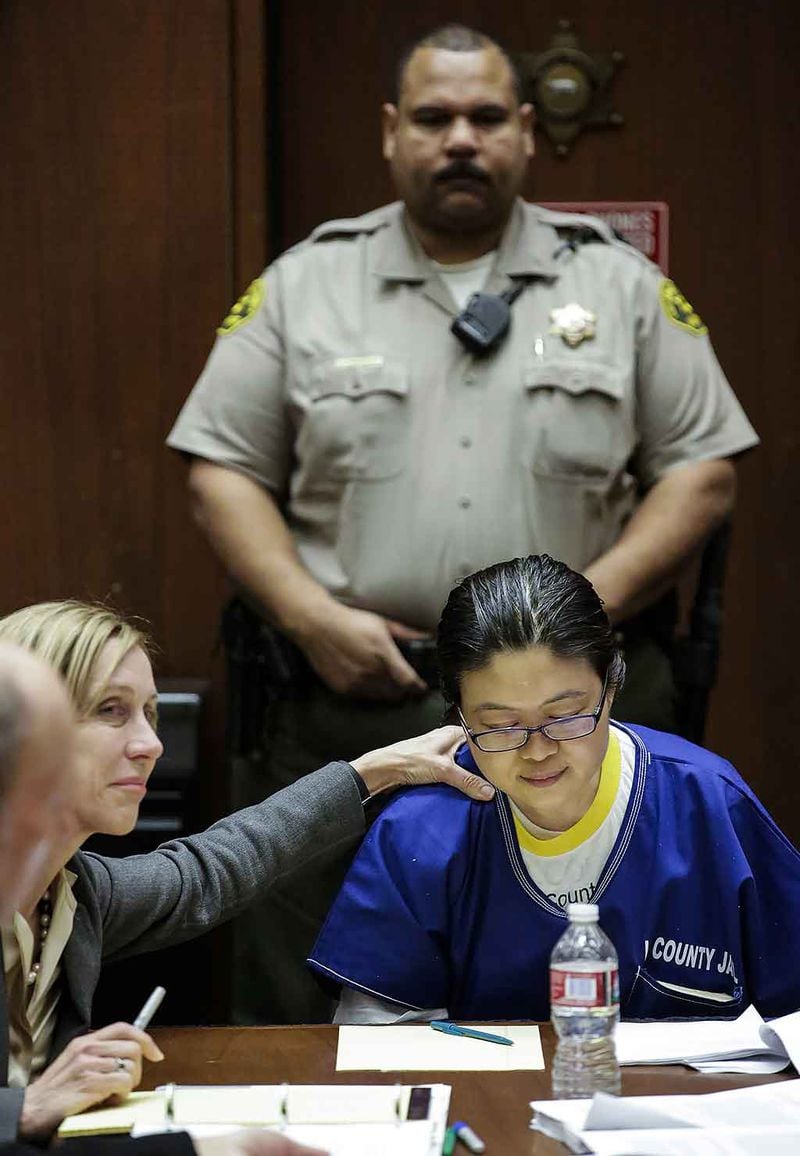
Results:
[573, 323]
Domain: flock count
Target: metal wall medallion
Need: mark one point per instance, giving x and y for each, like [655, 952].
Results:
[569, 88]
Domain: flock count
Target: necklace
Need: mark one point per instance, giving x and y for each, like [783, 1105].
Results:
[45, 907]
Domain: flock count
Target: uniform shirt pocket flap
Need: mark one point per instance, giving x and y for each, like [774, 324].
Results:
[358, 377]
[575, 377]
[356, 422]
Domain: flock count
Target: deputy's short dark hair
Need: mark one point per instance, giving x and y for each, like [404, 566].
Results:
[457, 38]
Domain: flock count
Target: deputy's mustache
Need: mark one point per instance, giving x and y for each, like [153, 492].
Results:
[462, 170]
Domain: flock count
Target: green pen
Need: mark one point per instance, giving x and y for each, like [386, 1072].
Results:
[449, 1142]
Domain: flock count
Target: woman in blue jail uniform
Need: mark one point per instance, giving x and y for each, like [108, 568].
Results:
[452, 907]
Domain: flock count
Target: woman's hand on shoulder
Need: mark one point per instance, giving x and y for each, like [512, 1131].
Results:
[425, 759]
[101, 1065]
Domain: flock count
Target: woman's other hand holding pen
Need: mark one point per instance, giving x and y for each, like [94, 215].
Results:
[92, 1068]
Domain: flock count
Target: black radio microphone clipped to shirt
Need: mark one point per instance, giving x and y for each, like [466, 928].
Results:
[483, 324]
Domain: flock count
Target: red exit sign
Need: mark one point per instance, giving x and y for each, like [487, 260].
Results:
[643, 224]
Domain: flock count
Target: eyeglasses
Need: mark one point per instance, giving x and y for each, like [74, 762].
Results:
[560, 730]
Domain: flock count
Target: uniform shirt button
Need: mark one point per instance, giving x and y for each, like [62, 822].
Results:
[470, 379]
[464, 503]
[465, 441]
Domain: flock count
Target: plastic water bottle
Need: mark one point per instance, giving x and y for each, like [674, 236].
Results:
[584, 1006]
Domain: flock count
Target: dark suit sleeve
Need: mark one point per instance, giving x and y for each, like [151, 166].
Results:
[10, 1112]
[166, 1144]
[190, 885]
[162, 1144]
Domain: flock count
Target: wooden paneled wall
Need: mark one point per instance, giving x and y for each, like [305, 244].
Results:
[131, 205]
[133, 208]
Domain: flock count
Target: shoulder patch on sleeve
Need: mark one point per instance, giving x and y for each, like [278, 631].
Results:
[678, 310]
[245, 308]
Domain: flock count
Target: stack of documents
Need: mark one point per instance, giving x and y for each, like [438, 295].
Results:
[343, 1120]
[761, 1121]
[747, 1045]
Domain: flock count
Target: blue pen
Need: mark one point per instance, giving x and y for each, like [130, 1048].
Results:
[457, 1030]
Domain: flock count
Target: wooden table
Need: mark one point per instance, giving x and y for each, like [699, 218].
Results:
[494, 1103]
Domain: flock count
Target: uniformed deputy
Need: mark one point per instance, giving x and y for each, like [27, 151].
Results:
[353, 458]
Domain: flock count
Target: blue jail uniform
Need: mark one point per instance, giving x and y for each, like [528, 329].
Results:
[700, 896]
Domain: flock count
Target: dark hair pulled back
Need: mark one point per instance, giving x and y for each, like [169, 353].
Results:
[533, 601]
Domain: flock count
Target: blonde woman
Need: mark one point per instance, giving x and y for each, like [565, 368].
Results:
[92, 908]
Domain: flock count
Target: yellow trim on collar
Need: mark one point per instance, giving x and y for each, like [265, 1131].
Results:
[591, 821]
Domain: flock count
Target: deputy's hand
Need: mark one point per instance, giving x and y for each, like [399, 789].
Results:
[91, 1069]
[354, 652]
[253, 1142]
[426, 759]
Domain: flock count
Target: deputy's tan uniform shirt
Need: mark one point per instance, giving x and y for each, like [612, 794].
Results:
[403, 462]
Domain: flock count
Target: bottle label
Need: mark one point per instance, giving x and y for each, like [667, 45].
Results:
[584, 988]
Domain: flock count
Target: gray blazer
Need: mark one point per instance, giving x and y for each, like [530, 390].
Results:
[185, 887]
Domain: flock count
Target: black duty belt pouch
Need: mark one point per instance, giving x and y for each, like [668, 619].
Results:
[421, 654]
[262, 666]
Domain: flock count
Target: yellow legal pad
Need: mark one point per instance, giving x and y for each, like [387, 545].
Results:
[139, 1107]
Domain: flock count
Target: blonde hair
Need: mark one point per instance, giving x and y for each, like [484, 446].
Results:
[70, 636]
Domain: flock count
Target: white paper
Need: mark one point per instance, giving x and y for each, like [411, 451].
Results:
[614, 1112]
[412, 1138]
[746, 1045]
[418, 1048]
[777, 1103]
[738, 1141]
[562, 1119]
[771, 1103]
[406, 1138]
[784, 1031]
[240, 1104]
[334, 1104]
[766, 1065]
[691, 1041]
[579, 1123]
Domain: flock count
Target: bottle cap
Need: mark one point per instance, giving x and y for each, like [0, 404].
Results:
[583, 912]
